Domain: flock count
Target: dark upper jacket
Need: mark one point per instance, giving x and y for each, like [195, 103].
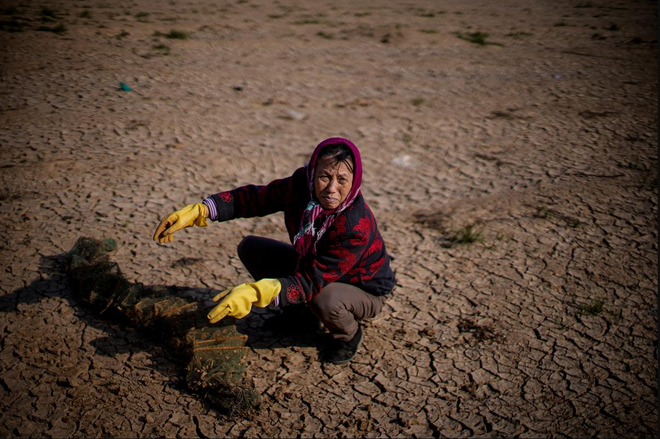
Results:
[351, 250]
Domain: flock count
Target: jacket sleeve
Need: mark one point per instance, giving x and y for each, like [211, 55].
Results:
[339, 258]
[249, 201]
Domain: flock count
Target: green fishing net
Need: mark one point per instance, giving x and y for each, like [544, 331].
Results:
[215, 353]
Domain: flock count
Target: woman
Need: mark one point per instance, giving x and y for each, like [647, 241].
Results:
[337, 265]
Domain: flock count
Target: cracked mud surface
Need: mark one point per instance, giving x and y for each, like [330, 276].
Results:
[546, 145]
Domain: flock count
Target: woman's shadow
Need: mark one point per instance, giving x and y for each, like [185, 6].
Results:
[123, 337]
[118, 339]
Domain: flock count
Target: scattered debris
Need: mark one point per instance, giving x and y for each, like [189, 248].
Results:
[293, 115]
[588, 114]
[186, 262]
[405, 161]
[480, 333]
[593, 308]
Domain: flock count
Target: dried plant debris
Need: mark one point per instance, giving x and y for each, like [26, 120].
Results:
[433, 220]
[215, 353]
[467, 235]
[479, 333]
[186, 262]
[543, 212]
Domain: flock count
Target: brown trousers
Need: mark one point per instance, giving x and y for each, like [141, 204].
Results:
[338, 306]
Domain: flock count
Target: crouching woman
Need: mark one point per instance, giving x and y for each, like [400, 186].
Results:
[336, 264]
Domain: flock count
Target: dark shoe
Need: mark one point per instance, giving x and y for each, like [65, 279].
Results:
[295, 319]
[340, 352]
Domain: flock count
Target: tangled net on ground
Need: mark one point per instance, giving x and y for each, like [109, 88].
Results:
[215, 353]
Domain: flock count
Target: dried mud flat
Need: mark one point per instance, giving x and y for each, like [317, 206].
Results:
[513, 175]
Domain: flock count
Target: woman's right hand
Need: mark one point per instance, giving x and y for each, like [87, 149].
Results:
[192, 214]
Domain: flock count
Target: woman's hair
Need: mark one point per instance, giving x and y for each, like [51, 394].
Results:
[339, 153]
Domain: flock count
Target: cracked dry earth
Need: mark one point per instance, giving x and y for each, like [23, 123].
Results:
[515, 184]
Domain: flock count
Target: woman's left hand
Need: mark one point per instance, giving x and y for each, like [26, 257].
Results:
[237, 302]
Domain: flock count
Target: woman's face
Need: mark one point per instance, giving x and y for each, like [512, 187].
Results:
[332, 182]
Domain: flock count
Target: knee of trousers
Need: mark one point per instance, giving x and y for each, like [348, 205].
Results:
[243, 248]
[328, 305]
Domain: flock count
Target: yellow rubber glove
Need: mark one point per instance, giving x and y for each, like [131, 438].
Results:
[237, 302]
[191, 214]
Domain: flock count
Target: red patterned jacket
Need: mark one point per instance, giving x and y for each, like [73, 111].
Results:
[351, 250]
